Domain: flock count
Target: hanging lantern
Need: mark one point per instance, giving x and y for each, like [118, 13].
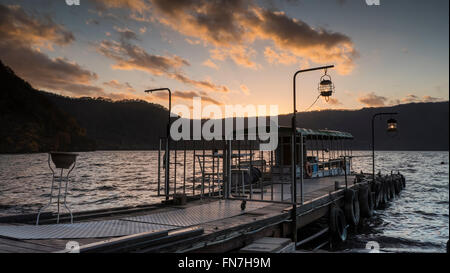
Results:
[326, 86]
[392, 125]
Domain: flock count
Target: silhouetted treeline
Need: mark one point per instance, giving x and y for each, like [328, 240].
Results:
[138, 124]
[119, 125]
[421, 126]
[34, 121]
[29, 122]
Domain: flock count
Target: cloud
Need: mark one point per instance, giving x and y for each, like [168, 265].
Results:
[132, 57]
[372, 100]
[239, 54]
[281, 58]
[127, 34]
[139, 6]
[334, 101]
[192, 42]
[296, 36]
[411, 98]
[16, 26]
[205, 84]
[92, 21]
[431, 99]
[57, 74]
[20, 36]
[188, 95]
[211, 64]
[245, 89]
[120, 86]
[232, 26]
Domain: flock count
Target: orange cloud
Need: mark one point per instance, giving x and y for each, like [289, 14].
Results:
[410, 98]
[16, 26]
[188, 95]
[334, 101]
[211, 64]
[373, 100]
[132, 57]
[297, 37]
[282, 57]
[20, 36]
[232, 26]
[139, 6]
[205, 84]
[117, 85]
[245, 89]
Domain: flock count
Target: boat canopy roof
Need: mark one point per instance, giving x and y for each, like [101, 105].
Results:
[321, 133]
[308, 133]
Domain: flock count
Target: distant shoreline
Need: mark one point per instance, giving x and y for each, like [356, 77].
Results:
[143, 150]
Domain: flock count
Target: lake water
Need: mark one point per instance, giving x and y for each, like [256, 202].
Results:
[415, 222]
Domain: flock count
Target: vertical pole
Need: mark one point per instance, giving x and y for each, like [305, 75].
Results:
[229, 162]
[345, 172]
[184, 169]
[203, 170]
[224, 169]
[59, 193]
[167, 189]
[373, 148]
[301, 169]
[271, 175]
[159, 167]
[175, 169]
[193, 171]
[293, 153]
[282, 168]
[167, 173]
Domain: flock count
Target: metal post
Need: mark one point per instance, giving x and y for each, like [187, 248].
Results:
[184, 170]
[193, 172]
[373, 141]
[167, 173]
[294, 132]
[345, 172]
[175, 169]
[301, 169]
[159, 168]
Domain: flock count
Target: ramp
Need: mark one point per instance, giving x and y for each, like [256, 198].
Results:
[195, 215]
[98, 229]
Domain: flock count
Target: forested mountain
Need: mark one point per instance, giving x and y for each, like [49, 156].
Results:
[30, 122]
[38, 121]
[126, 124]
[421, 126]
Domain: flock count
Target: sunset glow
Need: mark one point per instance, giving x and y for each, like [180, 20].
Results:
[231, 52]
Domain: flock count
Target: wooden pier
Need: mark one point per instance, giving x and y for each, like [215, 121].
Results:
[215, 236]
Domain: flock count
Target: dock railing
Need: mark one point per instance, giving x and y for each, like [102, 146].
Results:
[227, 169]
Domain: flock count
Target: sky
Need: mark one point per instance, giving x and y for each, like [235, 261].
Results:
[231, 52]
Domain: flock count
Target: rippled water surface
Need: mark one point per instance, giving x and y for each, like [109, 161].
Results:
[415, 222]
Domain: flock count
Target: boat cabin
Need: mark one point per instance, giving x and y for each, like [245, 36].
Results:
[325, 152]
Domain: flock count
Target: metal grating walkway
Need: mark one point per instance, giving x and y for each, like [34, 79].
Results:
[198, 214]
[98, 229]
[131, 225]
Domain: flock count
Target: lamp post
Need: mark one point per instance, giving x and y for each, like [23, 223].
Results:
[392, 127]
[293, 143]
[167, 161]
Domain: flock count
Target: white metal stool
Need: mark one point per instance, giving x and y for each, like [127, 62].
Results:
[62, 161]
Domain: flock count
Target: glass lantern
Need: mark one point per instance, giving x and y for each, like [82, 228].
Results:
[392, 125]
[326, 87]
